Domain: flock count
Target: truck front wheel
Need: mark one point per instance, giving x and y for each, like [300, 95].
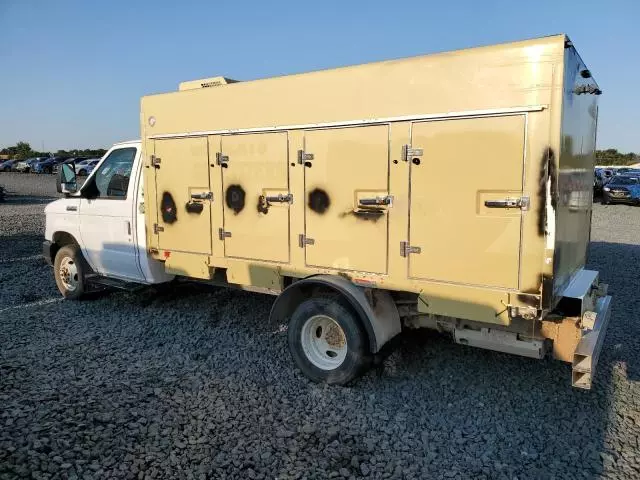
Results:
[327, 341]
[69, 270]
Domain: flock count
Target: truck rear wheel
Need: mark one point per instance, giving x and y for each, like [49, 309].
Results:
[327, 341]
[69, 270]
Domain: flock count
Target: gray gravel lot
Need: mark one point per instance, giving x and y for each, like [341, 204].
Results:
[196, 383]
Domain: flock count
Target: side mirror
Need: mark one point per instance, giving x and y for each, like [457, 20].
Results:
[66, 181]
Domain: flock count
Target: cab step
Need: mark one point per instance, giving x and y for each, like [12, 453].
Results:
[101, 281]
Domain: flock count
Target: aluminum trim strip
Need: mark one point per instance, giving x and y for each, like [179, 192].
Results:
[351, 123]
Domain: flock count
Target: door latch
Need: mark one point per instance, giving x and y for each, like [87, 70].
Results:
[522, 203]
[157, 228]
[222, 234]
[155, 161]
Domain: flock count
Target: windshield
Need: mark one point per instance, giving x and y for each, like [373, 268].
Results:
[626, 181]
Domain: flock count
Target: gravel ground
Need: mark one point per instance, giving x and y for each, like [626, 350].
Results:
[196, 383]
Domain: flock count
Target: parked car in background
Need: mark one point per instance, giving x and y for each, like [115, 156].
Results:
[26, 165]
[601, 178]
[74, 160]
[628, 171]
[6, 165]
[85, 167]
[46, 165]
[622, 189]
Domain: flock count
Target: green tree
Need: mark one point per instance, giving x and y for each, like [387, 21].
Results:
[23, 150]
[612, 156]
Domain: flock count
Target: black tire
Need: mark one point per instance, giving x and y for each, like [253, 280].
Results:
[358, 357]
[48, 170]
[82, 173]
[604, 201]
[74, 256]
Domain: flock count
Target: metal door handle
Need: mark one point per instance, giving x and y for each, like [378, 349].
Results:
[280, 198]
[72, 208]
[128, 227]
[377, 201]
[202, 196]
[522, 202]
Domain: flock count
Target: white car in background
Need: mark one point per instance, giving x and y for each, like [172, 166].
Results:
[85, 167]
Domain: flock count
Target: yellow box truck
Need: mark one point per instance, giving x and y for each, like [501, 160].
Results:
[448, 191]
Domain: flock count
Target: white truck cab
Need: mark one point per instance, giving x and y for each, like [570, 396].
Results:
[104, 220]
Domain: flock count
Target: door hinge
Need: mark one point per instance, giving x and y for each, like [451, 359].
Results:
[222, 159]
[408, 152]
[522, 203]
[157, 228]
[222, 234]
[304, 240]
[304, 157]
[406, 249]
[155, 161]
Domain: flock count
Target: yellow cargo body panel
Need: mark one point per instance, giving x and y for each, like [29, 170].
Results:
[436, 175]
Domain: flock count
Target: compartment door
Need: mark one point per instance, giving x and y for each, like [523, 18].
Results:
[468, 165]
[346, 187]
[183, 196]
[255, 183]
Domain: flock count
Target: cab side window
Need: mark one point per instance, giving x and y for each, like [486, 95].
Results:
[112, 178]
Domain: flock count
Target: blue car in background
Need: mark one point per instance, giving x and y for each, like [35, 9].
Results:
[623, 188]
[73, 160]
[47, 165]
[7, 165]
[25, 166]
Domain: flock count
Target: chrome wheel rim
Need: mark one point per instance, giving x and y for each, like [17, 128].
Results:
[68, 272]
[324, 342]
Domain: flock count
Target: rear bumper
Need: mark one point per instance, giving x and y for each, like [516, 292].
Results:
[587, 352]
[626, 199]
[46, 252]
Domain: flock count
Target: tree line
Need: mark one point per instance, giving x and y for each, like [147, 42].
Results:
[22, 151]
[611, 156]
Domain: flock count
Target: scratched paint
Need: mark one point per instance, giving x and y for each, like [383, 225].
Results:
[548, 185]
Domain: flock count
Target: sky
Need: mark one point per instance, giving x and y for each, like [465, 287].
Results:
[72, 72]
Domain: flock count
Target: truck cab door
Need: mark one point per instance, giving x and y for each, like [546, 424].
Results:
[106, 215]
